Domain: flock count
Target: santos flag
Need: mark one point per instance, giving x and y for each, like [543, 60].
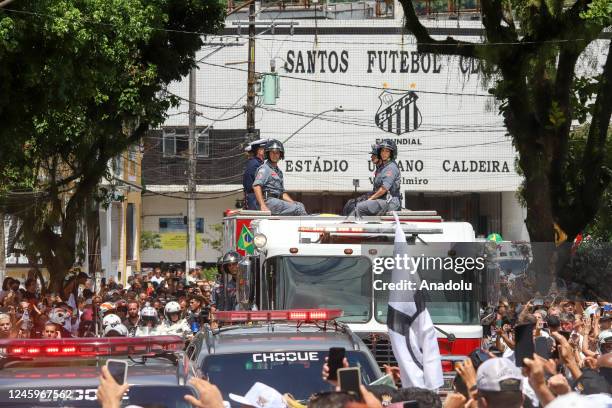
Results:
[411, 331]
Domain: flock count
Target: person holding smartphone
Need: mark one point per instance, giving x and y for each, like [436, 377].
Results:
[505, 340]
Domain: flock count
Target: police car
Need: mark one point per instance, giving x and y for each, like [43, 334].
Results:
[284, 349]
[65, 372]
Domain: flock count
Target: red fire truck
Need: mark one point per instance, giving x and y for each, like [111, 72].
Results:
[327, 261]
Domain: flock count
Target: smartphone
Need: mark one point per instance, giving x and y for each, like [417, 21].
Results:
[404, 404]
[607, 308]
[349, 380]
[118, 369]
[334, 361]
[478, 357]
[543, 347]
[524, 347]
[538, 302]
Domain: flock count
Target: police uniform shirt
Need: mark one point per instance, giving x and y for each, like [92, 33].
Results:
[270, 179]
[249, 173]
[388, 176]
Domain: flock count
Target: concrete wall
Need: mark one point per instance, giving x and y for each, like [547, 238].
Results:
[156, 207]
[513, 218]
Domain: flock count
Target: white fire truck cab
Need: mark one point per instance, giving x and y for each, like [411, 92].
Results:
[328, 261]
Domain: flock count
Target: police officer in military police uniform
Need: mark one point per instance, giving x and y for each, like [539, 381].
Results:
[256, 159]
[225, 293]
[386, 195]
[350, 205]
[269, 186]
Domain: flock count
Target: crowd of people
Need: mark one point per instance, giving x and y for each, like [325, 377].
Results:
[570, 363]
[165, 300]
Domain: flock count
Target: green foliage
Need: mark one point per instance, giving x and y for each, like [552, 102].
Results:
[215, 238]
[600, 229]
[210, 273]
[150, 240]
[80, 81]
[599, 11]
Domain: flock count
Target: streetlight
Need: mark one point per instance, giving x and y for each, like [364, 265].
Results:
[336, 109]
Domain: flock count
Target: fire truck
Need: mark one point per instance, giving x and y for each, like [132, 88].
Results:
[328, 261]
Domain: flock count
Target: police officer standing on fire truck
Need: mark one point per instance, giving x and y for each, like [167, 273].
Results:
[226, 293]
[386, 195]
[350, 205]
[269, 186]
[256, 159]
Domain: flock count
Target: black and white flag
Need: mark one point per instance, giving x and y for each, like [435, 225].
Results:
[411, 331]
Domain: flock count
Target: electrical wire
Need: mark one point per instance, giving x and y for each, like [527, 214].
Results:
[378, 88]
[233, 36]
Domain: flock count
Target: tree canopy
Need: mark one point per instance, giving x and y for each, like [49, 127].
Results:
[80, 81]
[530, 50]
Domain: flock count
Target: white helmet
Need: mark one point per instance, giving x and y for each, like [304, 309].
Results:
[147, 314]
[111, 320]
[172, 308]
[116, 331]
[58, 316]
[605, 337]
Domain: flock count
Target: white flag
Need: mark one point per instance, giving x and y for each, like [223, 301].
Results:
[411, 331]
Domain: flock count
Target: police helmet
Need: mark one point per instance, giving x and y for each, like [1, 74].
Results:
[230, 257]
[148, 313]
[605, 341]
[116, 331]
[274, 144]
[387, 144]
[172, 308]
[58, 316]
[374, 149]
[111, 320]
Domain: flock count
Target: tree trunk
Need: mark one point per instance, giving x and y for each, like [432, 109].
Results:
[2, 248]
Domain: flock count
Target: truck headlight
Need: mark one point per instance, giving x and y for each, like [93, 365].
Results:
[260, 240]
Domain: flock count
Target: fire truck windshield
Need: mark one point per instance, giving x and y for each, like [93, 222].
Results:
[333, 282]
[445, 307]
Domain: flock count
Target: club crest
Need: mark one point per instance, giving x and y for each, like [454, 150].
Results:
[398, 112]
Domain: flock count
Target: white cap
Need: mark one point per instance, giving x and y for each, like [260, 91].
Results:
[494, 371]
[260, 396]
[255, 143]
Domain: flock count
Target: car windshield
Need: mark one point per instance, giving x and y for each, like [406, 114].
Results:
[295, 372]
[445, 307]
[323, 282]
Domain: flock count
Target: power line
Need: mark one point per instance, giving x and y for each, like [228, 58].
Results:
[378, 88]
[236, 37]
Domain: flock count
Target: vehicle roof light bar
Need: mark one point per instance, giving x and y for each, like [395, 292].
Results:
[90, 346]
[366, 229]
[303, 315]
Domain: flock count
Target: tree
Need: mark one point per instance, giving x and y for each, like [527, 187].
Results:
[531, 49]
[150, 240]
[80, 82]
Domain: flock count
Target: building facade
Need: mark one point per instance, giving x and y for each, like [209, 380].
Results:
[345, 84]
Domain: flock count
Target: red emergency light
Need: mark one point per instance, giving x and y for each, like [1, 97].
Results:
[90, 346]
[307, 315]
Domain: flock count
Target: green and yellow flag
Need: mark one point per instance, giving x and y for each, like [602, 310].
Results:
[246, 240]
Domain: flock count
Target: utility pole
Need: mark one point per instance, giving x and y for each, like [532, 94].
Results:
[191, 175]
[251, 73]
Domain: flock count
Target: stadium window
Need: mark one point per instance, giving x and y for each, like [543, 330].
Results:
[203, 147]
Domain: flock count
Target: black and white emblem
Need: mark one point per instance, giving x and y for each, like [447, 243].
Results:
[398, 112]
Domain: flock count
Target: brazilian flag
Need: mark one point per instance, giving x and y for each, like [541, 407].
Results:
[246, 240]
